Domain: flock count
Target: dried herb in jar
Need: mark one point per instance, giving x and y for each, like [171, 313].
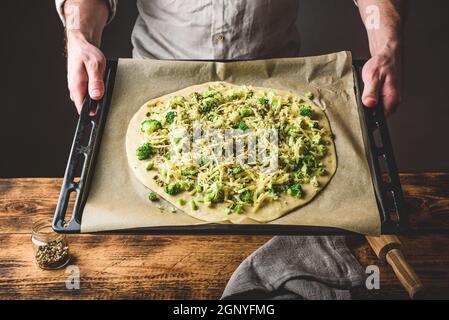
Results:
[52, 255]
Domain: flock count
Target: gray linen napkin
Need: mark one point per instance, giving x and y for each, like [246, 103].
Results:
[297, 267]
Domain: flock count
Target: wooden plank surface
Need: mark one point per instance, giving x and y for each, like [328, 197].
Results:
[192, 267]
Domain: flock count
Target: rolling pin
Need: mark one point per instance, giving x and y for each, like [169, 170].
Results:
[388, 248]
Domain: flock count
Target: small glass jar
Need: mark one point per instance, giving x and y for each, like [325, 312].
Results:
[51, 249]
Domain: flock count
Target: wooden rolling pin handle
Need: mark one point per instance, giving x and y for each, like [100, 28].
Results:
[404, 272]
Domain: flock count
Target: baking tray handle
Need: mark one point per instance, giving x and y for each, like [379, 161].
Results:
[83, 155]
[380, 156]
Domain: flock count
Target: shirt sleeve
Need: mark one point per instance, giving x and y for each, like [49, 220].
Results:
[60, 9]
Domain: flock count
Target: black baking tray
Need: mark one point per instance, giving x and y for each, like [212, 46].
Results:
[87, 140]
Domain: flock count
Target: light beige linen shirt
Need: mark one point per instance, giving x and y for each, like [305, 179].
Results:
[213, 29]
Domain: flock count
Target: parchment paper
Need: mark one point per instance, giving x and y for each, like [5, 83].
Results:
[118, 201]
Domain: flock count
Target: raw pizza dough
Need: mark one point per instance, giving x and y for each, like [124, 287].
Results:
[270, 210]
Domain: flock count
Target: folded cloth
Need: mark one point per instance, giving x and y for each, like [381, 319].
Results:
[296, 267]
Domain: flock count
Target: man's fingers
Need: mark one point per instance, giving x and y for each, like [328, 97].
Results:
[370, 94]
[85, 68]
[79, 92]
[95, 67]
[381, 75]
[390, 95]
[77, 79]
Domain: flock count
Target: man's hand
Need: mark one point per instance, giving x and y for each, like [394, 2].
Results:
[382, 78]
[85, 20]
[382, 73]
[85, 69]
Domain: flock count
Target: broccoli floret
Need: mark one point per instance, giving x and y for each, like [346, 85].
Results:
[193, 205]
[181, 202]
[305, 111]
[276, 189]
[215, 193]
[237, 170]
[292, 130]
[236, 95]
[152, 196]
[207, 105]
[246, 196]
[263, 101]
[210, 93]
[187, 185]
[314, 125]
[213, 117]
[295, 190]
[144, 151]
[321, 150]
[202, 161]
[170, 116]
[316, 139]
[196, 97]
[275, 104]
[189, 172]
[237, 208]
[150, 166]
[309, 160]
[300, 177]
[176, 101]
[198, 188]
[310, 164]
[177, 140]
[321, 171]
[243, 126]
[245, 112]
[309, 95]
[150, 126]
[173, 188]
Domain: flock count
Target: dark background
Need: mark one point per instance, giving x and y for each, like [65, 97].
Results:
[37, 120]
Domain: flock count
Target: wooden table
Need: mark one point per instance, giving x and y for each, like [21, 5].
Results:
[193, 267]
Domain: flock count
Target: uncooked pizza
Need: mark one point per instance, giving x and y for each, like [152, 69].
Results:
[224, 152]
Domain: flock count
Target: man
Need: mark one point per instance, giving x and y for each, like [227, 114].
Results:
[243, 29]
[223, 30]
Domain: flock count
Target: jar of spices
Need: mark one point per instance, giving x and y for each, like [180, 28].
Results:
[51, 249]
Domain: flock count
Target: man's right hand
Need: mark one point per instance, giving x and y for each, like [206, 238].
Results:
[85, 69]
[85, 20]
